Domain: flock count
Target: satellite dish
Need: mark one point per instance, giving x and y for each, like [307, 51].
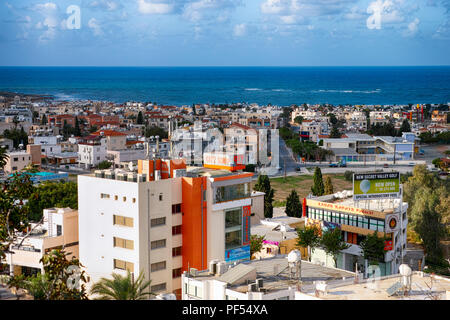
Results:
[131, 166]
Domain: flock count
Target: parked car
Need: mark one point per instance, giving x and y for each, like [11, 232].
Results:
[333, 165]
[297, 169]
[411, 164]
[443, 173]
[342, 165]
[386, 165]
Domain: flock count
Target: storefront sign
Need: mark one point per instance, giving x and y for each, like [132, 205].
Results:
[246, 215]
[387, 245]
[391, 223]
[241, 253]
[341, 208]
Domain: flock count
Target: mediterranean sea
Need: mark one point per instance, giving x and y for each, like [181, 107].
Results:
[263, 85]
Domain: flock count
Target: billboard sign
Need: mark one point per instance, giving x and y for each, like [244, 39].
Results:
[240, 253]
[380, 185]
[388, 245]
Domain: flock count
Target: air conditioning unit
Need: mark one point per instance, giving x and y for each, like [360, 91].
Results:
[253, 287]
[213, 266]
[193, 272]
[221, 268]
[260, 283]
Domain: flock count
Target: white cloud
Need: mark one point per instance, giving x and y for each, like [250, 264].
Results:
[413, 28]
[155, 7]
[94, 25]
[240, 30]
[107, 5]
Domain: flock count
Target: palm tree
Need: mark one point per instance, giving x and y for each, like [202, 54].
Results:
[122, 288]
[3, 157]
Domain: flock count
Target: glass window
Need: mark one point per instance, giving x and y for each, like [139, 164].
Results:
[373, 224]
[158, 244]
[381, 225]
[352, 219]
[233, 192]
[122, 221]
[233, 239]
[158, 266]
[233, 218]
[364, 223]
[123, 243]
[123, 265]
[158, 222]
[176, 230]
[158, 287]
[176, 251]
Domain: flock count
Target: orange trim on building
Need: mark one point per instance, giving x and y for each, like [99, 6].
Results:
[194, 225]
[232, 168]
[235, 176]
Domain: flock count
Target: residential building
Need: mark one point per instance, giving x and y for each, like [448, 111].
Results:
[162, 220]
[115, 140]
[59, 229]
[17, 161]
[91, 150]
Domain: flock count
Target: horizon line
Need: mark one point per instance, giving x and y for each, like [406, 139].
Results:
[218, 66]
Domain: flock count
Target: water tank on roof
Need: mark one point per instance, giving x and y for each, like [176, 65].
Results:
[294, 256]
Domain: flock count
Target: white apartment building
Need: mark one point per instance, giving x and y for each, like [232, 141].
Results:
[91, 150]
[17, 161]
[153, 222]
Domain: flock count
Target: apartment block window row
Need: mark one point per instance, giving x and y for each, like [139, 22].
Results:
[347, 219]
[122, 221]
[158, 244]
[176, 208]
[158, 266]
[123, 243]
[176, 230]
[176, 251]
[158, 287]
[104, 196]
[123, 265]
[158, 222]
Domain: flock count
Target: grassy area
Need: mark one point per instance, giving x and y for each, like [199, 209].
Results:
[302, 184]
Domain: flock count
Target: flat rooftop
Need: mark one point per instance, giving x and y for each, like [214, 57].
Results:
[276, 276]
[422, 288]
[345, 198]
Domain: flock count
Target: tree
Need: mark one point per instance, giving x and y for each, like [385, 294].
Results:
[328, 186]
[333, 243]
[333, 119]
[122, 288]
[318, 188]
[437, 162]
[17, 136]
[372, 248]
[63, 279]
[256, 243]
[44, 120]
[263, 185]
[52, 194]
[140, 118]
[335, 133]
[77, 130]
[104, 165]
[156, 131]
[293, 205]
[404, 128]
[427, 219]
[3, 157]
[299, 119]
[308, 238]
[15, 190]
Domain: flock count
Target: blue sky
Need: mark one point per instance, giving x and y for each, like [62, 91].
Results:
[225, 32]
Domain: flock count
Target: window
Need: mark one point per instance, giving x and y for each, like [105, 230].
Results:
[116, 197]
[123, 265]
[233, 218]
[352, 220]
[123, 221]
[158, 222]
[158, 244]
[104, 196]
[123, 243]
[373, 224]
[160, 197]
[158, 266]
[176, 208]
[58, 230]
[134, 200]
[124, 199]
[176, 230]
[380, 225]
[158, 287]
[176, 251]
[233, 239]
[16, 159]
[228, 193]
[363, 222]
[176, 273]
